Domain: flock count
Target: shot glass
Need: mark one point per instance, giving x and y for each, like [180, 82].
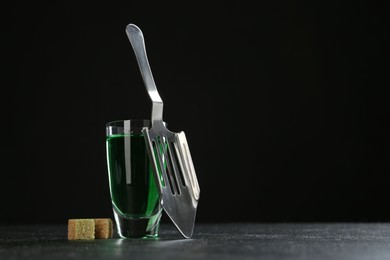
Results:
[135, 197]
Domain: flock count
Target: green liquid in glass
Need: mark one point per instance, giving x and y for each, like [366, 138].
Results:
[134, 193]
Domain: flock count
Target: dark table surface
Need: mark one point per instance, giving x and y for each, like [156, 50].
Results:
[210, 241]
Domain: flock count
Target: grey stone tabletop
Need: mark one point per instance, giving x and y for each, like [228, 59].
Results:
[210, 241]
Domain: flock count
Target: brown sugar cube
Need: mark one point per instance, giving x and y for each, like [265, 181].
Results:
[103, 228]
[81, 229]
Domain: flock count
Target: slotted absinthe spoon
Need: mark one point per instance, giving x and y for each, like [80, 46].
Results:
[168, 151]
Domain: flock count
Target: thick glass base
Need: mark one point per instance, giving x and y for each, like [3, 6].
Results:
[137, 227]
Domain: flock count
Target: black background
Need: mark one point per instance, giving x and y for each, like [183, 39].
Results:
[283, 105]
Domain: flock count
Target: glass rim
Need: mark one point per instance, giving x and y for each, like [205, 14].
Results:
[135, 121]
[127, 126]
